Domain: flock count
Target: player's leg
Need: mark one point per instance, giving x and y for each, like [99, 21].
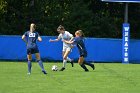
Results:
[64, 61]
[68, 59]
[40, 62]
[65, 55]
[89, 64]
[29, 56]
[81, 63]
[71, 61]
[84, 54]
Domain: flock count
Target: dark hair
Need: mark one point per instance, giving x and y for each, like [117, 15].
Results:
[60, 27]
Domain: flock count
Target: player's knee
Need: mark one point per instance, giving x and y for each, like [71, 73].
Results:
[38, 57]
[80, 63]
[29, 59]
[64, 58]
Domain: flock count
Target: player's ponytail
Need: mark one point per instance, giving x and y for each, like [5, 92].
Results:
[83, 35]
[32, 27]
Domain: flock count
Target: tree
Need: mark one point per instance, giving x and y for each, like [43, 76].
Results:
[95, 18]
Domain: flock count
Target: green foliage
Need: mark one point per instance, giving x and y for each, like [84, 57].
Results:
[95, 18]
[3, 4]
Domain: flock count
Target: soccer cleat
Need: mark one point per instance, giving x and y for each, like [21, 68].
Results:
[62, 69]
[86, 70]
[44, 72]
[28, 73]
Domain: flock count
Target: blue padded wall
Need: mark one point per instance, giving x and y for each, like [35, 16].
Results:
[99, 49]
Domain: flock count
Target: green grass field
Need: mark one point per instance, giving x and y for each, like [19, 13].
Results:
[106, 78]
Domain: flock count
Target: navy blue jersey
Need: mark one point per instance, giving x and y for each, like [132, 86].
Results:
[31, 38]
[81, 46]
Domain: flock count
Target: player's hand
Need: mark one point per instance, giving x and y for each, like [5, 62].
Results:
[71, 46]
[63, 40]
[50, 40]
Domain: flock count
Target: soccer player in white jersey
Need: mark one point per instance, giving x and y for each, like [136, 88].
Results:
[64, 35]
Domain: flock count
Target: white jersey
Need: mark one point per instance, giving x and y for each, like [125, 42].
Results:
[65, 36]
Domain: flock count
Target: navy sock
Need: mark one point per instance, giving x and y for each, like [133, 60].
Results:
[29, 66]
[84, 67]
[41, 65]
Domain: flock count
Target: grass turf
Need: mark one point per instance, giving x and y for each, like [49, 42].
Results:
[106, 78]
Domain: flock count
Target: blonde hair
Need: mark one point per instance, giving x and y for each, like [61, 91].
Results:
[32, 27]
[80, 33]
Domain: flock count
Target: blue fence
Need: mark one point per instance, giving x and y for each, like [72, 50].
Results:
[99, 49]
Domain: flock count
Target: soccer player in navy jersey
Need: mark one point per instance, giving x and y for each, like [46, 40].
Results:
[30, 37]
[78, 40]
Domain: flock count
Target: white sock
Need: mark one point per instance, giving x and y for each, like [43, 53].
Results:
[68, 59]
[64, 63]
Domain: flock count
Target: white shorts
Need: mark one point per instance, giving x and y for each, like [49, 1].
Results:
[66, 48]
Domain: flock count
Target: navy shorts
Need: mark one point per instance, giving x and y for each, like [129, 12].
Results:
[32, 51]
[83, 54]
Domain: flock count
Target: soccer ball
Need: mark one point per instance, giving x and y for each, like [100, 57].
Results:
[54, 68]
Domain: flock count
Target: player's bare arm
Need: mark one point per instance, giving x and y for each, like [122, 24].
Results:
[69, 42]
[54, 40]
[39, 39]
[71, 38]
[23, 38]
